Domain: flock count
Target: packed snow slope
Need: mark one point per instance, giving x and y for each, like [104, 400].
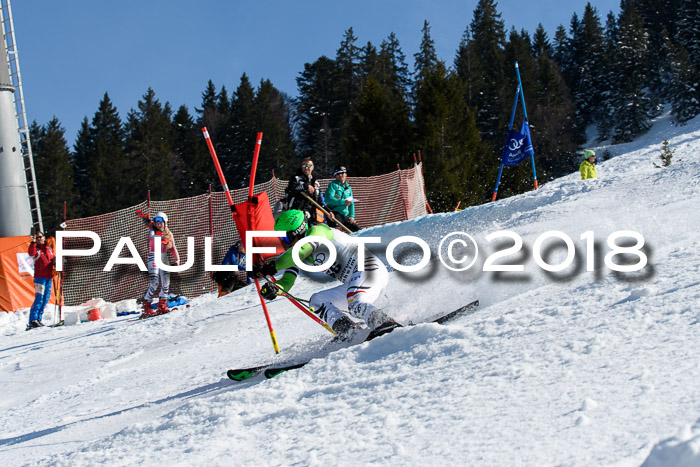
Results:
[578, 367]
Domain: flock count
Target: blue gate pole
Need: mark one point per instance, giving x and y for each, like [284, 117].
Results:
[522, 96]
[510, 127]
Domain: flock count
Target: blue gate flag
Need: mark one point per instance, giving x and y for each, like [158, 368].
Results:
[518, 147]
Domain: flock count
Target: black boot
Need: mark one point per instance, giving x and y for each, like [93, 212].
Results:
[345, 328]
[380, 324]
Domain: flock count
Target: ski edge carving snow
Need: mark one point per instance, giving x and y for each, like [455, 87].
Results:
[272, 370]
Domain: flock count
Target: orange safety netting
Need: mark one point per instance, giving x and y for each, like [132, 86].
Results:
[391, 197]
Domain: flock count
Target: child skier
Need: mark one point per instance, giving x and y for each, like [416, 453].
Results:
[359, 289]
[160, 242]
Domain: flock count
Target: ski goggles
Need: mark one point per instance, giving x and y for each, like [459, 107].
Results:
[158, 219]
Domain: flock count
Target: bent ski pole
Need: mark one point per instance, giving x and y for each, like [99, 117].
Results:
[345, 229]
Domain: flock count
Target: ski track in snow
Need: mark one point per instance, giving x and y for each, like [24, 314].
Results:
[575, 368]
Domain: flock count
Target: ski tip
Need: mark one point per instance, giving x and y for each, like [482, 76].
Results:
[272, 372]
[243, 373]
[238, 375]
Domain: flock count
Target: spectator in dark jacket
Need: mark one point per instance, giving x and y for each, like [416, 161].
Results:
[305, 182]
[44, 261]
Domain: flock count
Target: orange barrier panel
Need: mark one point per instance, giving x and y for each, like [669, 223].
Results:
[16, 274]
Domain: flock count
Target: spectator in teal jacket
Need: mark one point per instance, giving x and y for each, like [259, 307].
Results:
[339, 198]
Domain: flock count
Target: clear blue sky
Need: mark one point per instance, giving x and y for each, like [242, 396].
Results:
[73, 51]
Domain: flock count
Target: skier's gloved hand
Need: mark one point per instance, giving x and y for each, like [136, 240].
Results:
[269, 291]
[262, 270]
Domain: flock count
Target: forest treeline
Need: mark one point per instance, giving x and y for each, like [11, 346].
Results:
[368, 109]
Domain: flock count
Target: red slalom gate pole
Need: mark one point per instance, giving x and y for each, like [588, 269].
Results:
[220, 172]
[258, 143]
[207, 138]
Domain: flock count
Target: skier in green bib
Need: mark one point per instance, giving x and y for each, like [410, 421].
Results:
[347, 307]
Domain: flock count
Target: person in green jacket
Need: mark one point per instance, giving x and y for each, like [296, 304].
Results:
[347, 308]
[587, 167]
[339, 198]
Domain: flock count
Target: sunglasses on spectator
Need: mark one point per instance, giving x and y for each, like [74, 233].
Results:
[158, 219]
[307, 166]
[39, 236]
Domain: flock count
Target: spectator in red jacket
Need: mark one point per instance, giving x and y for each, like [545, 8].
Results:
[44, 262]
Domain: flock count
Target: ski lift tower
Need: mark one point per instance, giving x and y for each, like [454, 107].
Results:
[19, 197]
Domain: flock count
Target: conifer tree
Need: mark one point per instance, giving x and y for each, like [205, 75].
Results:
[589, 67]
[605, 116]
[239, 153]
[658, 16]
[540, 43]
[100, 163]
[347, 61]
[561, 48]
[399, 77]
[456, 165]
[685, 93]
[685, 66]
[688, 32]
[80, 158]
[371, 64]
[319, 114]
[54, 173]
[214, 113]
[572, 56]
[154, 163]
[633, 106]
[380, 130]
[463, 66]
[426, 60]
[198, 169]
[486, 75]
[208, 96]
[518, 48]
[273, 118]
[552, 115]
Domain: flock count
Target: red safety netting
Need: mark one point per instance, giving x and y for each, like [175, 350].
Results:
[392, 197]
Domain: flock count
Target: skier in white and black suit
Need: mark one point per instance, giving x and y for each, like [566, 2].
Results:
[343, 307]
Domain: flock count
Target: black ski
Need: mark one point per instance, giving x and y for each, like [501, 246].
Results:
[271, 370]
